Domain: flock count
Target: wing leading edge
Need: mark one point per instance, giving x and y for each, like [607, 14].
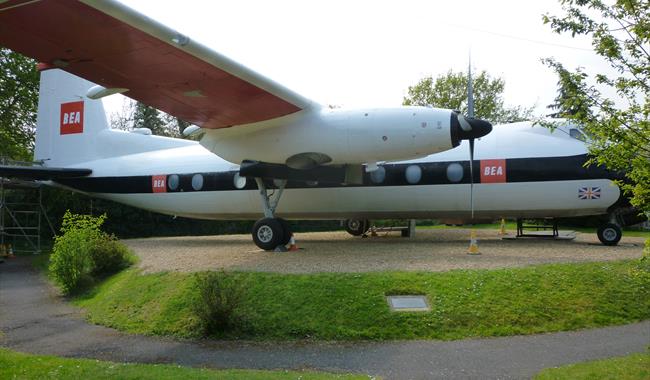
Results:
[117, 47]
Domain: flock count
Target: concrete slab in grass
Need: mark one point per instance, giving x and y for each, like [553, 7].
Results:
[408, 303]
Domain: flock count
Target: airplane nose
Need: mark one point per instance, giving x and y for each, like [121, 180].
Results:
[467, 128]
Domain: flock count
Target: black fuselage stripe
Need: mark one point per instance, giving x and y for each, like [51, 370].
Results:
[541, 169]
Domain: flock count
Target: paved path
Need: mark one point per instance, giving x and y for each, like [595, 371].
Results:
[34, 319]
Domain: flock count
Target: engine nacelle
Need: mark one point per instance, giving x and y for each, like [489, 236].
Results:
[338, 136]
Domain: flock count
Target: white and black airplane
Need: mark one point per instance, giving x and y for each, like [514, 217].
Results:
[261, 141]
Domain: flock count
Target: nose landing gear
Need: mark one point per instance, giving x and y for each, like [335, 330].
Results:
[609, 234]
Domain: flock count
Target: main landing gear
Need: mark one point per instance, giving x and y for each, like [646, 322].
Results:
[270, 232]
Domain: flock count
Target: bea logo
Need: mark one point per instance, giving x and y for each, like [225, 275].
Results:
[493, 171]
[72, 118]
[159, 183]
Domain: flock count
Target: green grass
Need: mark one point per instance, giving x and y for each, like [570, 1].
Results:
[340, 306]
[632, 367]
[15, 365]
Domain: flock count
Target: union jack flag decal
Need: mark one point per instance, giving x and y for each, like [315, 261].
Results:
[589, 193]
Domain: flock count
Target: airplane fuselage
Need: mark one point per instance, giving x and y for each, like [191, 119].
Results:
[519, 171]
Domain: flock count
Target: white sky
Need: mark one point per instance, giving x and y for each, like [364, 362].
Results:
[367, 53]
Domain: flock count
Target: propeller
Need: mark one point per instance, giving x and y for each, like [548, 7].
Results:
[469, 128]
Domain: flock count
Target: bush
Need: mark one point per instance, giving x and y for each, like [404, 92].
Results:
[219, 296]
[109, 255]
[83, 251]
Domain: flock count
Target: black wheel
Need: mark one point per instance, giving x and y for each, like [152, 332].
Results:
[268, 233]
[609, 234]
[287, 231]
[356, 227]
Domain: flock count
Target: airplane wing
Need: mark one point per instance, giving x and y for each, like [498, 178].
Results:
[41, 173]
[114, 46]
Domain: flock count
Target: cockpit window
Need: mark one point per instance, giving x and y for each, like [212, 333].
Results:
[576, 134]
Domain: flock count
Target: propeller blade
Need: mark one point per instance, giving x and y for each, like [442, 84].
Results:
[470, 90]
[479, 129]
[471, 175]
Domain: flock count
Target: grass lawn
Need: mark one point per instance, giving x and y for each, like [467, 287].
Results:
[340, 306]
[632, 367]
[15, 365]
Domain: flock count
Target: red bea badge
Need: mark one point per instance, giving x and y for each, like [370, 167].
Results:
[72, 118]
[159, 183]
[493, 171]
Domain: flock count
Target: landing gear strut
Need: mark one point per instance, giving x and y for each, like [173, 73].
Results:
[270, 232]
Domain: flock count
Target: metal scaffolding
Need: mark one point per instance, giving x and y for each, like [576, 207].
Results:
[22, 214]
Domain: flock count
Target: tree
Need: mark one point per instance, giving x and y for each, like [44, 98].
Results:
[19, 81]
[174, 125]
[123, 119]
[148, 117]
[137, 115]
[564, 105]
[450, 91]
[617, 124]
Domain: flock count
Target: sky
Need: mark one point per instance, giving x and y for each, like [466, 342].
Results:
[367, 53]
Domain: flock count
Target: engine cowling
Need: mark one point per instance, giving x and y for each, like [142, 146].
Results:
[338, 136]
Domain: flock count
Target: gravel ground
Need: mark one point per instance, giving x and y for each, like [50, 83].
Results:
[430, 250]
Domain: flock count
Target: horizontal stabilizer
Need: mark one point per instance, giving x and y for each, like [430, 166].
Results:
[41, 173]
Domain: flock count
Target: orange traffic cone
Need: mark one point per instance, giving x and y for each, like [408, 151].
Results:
[292, 244]
[473, 244]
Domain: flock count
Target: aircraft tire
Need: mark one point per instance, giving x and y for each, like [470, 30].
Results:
[287, 231]
[268, 233]
[356, 227]
[609, 234]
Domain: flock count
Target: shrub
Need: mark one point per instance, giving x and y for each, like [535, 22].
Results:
[218, 298]
[109, 255]
[83, 251]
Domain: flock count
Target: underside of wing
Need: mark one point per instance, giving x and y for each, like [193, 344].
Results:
[41, 173]
[118, 48]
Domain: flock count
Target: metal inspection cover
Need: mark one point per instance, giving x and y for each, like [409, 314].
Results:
[408, 303]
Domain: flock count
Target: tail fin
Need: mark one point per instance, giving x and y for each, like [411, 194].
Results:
[68, 121]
